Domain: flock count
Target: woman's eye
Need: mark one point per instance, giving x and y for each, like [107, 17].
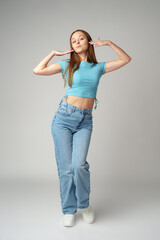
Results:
[80, 39]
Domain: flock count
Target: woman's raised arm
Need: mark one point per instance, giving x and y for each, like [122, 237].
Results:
[43, 69]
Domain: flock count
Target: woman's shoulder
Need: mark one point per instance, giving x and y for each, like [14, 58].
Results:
[63, 63]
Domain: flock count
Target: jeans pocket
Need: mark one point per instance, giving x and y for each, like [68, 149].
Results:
[64, 111]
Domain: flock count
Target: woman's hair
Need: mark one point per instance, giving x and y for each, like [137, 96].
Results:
[74, 60]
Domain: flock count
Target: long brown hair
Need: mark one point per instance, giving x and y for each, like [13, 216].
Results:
[74, 60]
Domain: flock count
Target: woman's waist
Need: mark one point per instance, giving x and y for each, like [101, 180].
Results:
[80, 102]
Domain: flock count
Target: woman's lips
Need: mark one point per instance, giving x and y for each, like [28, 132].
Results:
[78, 46]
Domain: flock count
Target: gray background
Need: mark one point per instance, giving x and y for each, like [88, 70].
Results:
[124, 151]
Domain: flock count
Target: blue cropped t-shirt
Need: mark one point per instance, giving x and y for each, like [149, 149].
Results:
[85, 79]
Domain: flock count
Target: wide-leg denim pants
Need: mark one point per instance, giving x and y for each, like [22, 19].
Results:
[71, 129]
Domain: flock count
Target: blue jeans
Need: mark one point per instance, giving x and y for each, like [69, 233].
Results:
[71, 131]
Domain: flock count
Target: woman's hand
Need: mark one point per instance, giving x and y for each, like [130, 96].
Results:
[60, 53]
[99, 43]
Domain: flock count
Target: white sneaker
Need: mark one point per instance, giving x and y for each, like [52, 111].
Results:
[68, 220]
[88, 214]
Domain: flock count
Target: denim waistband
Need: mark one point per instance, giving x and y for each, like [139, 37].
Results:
[70, 106]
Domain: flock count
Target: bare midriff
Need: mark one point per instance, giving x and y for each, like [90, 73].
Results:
[80, 102]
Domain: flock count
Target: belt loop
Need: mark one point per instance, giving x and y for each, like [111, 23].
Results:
[66, 101]
[96, 101]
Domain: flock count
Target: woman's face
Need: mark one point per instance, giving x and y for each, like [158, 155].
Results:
[79, 42]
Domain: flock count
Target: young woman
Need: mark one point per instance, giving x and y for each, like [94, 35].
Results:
[72, 123]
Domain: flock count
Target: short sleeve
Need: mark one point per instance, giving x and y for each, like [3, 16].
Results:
[63, 65]
[103, 66]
